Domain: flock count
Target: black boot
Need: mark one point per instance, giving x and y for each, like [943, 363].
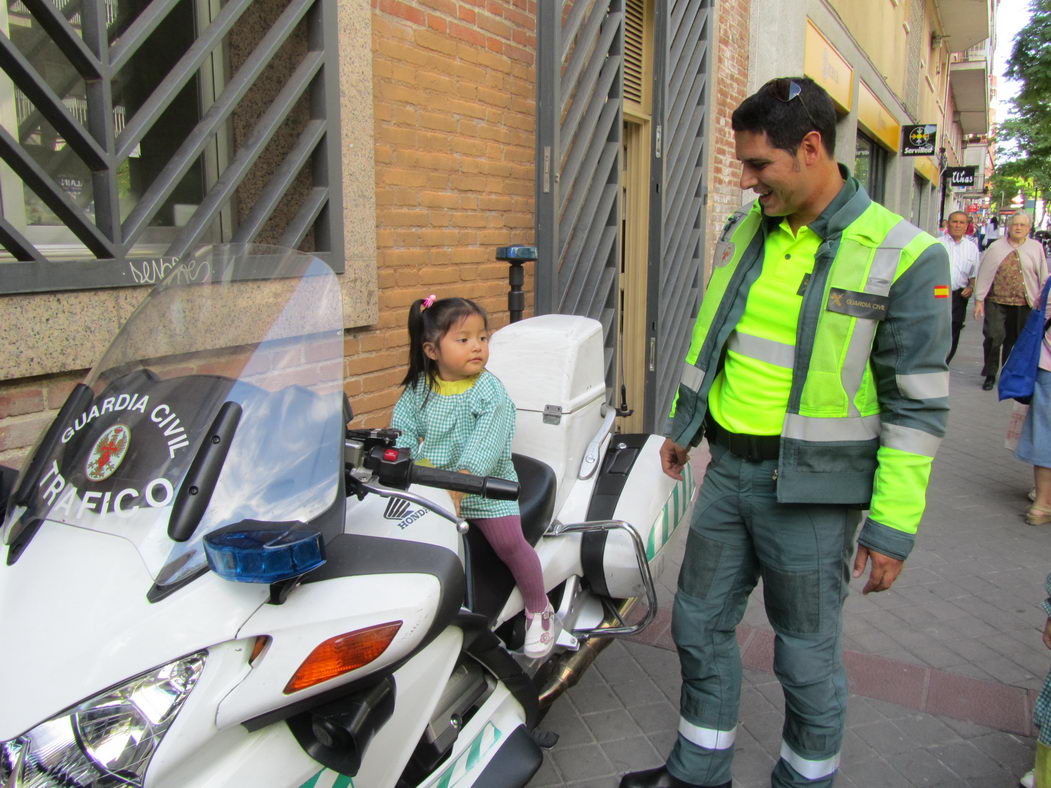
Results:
[990, 381]
[659, 778]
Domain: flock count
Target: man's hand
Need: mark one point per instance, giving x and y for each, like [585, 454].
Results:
[673, 458]
[1047, 633]
[966, 292]
[885, 570]
[979, 310]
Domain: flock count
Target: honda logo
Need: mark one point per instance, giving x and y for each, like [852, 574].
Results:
[396, 509]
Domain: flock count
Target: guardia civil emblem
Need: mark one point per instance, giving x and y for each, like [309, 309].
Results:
[108, 453]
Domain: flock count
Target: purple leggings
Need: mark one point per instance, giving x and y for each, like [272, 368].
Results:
[504, 535]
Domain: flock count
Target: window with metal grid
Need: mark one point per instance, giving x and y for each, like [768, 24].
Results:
[136, 131]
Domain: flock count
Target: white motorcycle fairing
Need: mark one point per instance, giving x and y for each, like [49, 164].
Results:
[207, 580]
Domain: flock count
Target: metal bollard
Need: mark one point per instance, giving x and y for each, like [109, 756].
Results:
[516, 257]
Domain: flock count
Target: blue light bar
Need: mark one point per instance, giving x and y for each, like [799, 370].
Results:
[256, 552]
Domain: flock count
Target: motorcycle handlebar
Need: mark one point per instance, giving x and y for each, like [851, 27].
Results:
[485, 486]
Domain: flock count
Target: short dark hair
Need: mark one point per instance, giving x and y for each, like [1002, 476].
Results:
[786, 114]
[961, 213]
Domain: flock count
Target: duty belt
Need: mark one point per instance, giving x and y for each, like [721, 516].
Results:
[754, 448]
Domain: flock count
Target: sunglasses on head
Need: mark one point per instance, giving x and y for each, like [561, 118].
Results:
[787, 90]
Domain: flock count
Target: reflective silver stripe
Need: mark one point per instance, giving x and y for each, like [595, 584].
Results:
[805, 428]
[776, 353]
[928, 385]
[709, 738]
[692, 377]
[909, 439]
[856, 362]
[881, 275]
[811, 770]
[885, 261]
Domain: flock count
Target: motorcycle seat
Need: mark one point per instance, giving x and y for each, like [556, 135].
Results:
[536, 500]
[491, 580]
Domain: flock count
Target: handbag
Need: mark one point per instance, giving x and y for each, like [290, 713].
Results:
[1018, 377]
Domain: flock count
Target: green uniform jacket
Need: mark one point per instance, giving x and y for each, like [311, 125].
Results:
[869, 399]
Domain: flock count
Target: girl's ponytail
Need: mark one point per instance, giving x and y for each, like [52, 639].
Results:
[418, 361]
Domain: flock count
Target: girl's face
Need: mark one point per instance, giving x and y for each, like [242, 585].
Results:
[463, 351]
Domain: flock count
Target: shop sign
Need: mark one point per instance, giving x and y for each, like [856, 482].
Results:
[919, 140]
[960, 176]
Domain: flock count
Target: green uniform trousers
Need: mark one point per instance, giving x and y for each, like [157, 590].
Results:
[740, 533]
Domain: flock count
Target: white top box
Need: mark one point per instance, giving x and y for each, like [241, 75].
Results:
[550, 360]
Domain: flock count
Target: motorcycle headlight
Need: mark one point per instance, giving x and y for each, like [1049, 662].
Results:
[107, 740]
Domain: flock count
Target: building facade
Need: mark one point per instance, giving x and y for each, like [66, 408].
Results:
[890, 66]
[401, 140]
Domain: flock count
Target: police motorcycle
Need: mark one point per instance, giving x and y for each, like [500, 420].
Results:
[208, 580]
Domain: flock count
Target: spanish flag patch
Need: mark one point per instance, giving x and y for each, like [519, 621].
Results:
[941, 291]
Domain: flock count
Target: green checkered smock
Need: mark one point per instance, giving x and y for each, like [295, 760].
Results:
[463, 425]
[1042, 709]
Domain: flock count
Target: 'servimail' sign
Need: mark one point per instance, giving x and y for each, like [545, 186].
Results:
[960, 176]
[918, 140]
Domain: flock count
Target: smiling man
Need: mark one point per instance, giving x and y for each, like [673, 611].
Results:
[817, 373]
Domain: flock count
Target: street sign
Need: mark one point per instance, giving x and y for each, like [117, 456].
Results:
[960, 176]
[919, 140]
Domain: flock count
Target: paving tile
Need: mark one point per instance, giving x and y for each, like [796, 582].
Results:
[925, 730]
[964, 758]
[872, 774]
[885, 737]
[547, 775]
[985, 702]
[595, 698]
[921, 767]
[663, 741]
[564, 720]
[585, 762]
[612, 725]
[632, 754]
[640, 692]
[856, 749]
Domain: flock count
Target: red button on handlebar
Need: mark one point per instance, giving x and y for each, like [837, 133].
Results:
[390, 455]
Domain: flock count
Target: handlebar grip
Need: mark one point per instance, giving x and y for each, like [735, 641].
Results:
[486, 486]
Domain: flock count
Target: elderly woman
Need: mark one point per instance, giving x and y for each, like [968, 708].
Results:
[1010, 276]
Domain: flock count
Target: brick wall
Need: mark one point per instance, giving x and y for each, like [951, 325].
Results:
[454, 99]
[731, 88]
[26, 408]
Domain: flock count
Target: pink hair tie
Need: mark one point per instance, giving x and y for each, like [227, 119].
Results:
[428, 301]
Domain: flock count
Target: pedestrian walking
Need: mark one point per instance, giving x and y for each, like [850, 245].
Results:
[963, 268]
[817, 373]
[1010, 276]
[992, 232]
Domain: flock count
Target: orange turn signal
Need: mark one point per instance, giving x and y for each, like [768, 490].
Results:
[342, 654]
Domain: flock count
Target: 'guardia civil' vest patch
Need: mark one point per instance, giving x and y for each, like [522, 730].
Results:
[855, 304]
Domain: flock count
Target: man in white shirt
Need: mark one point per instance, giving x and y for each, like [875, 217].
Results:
[963, 267]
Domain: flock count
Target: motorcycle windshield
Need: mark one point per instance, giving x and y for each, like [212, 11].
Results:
[220, 401]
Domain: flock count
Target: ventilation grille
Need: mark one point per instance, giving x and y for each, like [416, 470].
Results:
[634, 49]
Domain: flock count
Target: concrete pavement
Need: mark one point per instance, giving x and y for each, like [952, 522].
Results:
[944, 667]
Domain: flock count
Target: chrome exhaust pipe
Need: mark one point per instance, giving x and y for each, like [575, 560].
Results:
[571, 665]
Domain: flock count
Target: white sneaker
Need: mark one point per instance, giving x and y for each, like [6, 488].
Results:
[540, 633]
[1027, 780]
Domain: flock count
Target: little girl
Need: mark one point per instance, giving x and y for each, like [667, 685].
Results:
[457, 416]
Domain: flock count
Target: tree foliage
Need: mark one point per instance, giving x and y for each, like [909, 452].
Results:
[1024, 139]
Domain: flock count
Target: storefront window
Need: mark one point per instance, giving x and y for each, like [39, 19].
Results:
[870, 166]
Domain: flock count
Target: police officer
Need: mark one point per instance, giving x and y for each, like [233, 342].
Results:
[817, 373]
